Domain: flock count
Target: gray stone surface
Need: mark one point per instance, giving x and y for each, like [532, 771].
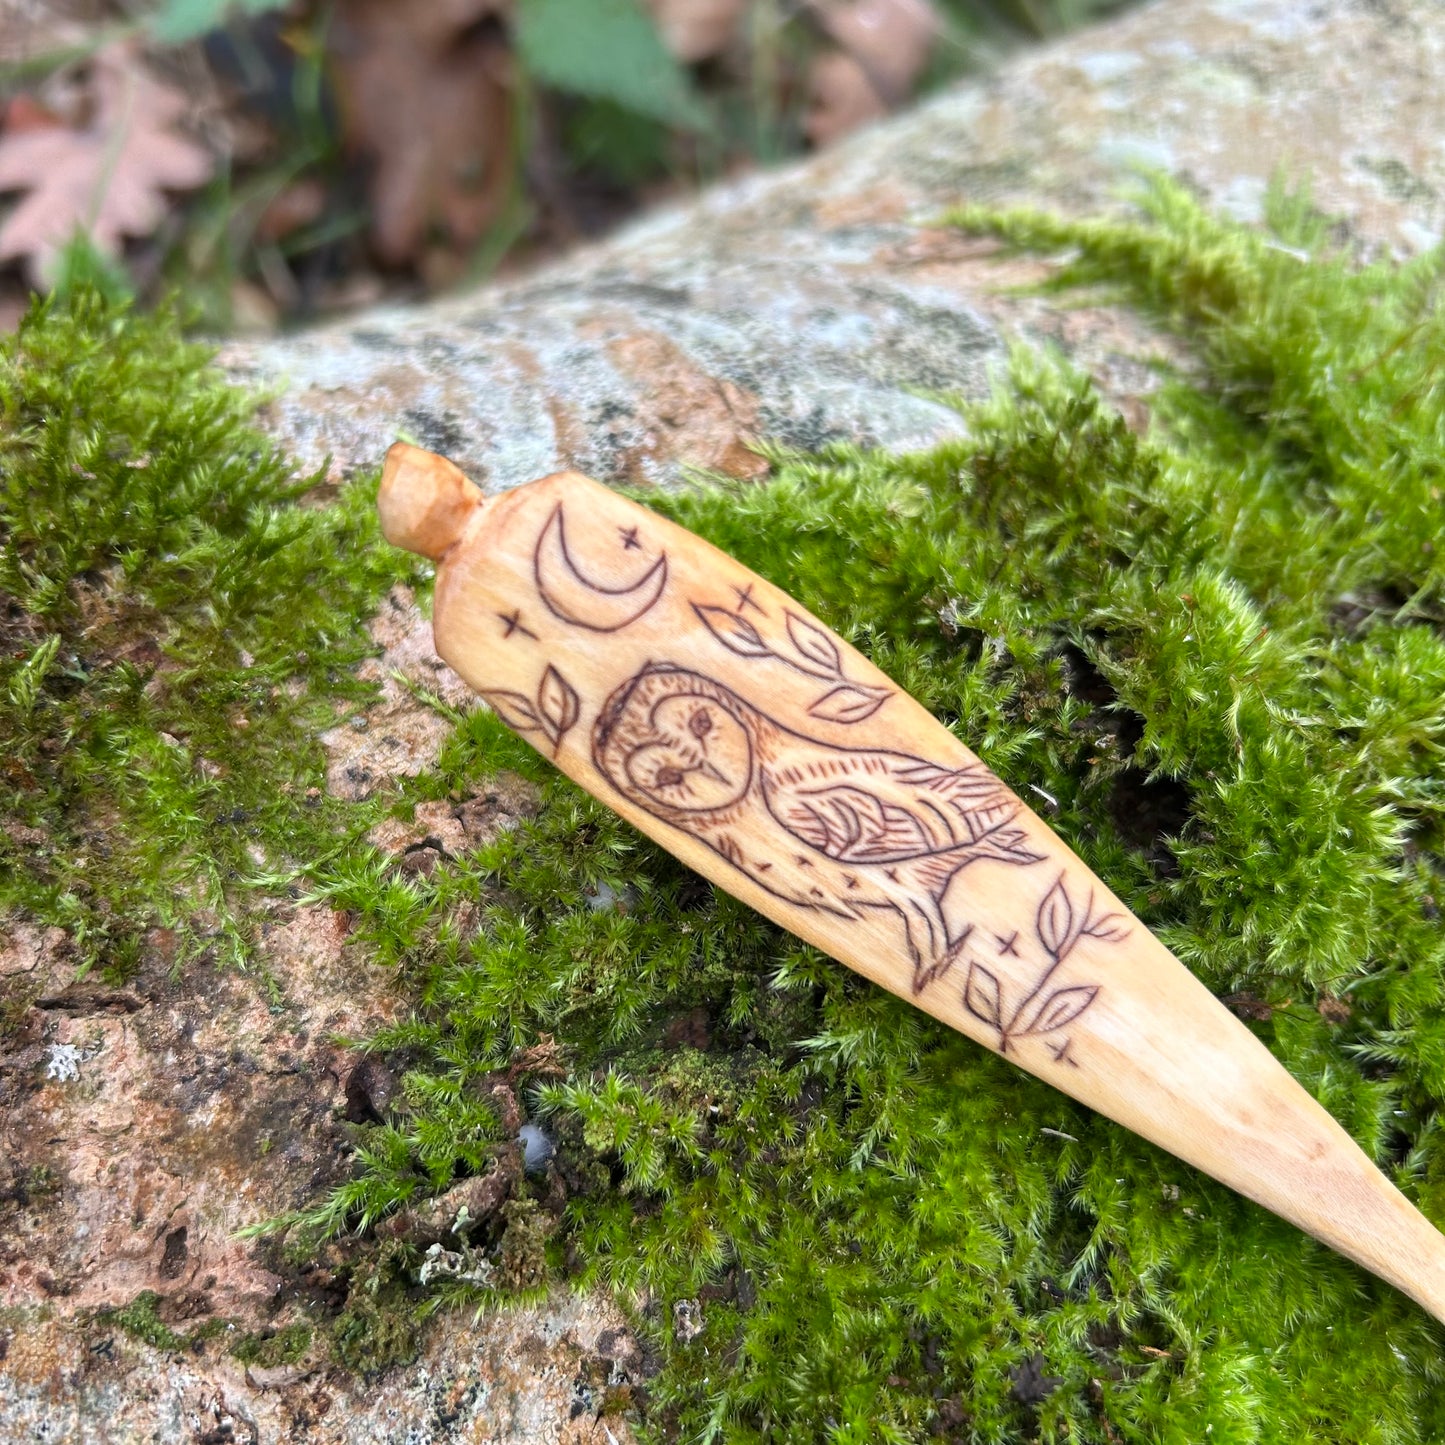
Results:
[817, 302]
[812, 303]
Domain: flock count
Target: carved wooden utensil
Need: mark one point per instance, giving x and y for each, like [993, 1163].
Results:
[715, 714]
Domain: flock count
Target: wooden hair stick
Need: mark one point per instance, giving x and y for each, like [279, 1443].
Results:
[716, 715]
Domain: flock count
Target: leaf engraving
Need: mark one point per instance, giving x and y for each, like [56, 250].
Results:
[982, 996]
[735, 633]
[1012, 844]
[514, 710]
[815, 653]
[558, 706]
[1111, 928]
[814, 643]
[1055, 922]
[1061, 1007]
[850, 702]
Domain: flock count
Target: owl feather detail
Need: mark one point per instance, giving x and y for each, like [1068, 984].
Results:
[844, 830]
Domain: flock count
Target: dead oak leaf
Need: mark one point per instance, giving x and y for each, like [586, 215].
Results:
[426, 96]
[696, 30]
[890, 39]
[884, 45]
[841, 98]
[108, 178]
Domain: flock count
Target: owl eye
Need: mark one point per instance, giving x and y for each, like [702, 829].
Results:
[668, 778]
[701, 724]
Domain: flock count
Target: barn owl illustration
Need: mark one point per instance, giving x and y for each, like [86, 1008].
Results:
[838, 829]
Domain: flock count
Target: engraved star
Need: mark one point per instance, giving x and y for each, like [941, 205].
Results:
[745, 598]
[513, 622]
[1006, 945]
[629, 538]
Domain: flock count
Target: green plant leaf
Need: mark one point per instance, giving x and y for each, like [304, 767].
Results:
[618, 143]
[180, 20]
[607, 50]
[81, 266]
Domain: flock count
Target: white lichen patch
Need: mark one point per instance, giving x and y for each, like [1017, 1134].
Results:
[442, 1263]
[687, 1320]
[63, 1062]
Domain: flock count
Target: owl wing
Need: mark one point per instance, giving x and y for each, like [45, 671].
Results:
[910, 809]
[976, 803]
[853, 825]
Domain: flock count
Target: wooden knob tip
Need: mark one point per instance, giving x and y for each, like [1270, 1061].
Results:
[425, 501]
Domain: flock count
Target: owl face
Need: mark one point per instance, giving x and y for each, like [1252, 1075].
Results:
[672, 740]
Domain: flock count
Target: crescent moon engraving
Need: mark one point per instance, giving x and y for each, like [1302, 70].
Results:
[577, 599]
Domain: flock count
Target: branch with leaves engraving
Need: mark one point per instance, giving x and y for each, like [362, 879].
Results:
[810, 650]
[554, 712]
[1058, 926]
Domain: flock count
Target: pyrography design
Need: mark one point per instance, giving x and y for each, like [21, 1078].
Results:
[844, 830]
[1044, 1009]
[809, 649]
[574, 597]
[553, 713]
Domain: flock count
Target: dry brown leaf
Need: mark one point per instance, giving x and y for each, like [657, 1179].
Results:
[425, 91]
[841, 98]
[108, 178]
[695, 30]
[890, 40]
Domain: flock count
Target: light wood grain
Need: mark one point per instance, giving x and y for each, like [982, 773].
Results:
[724, 721]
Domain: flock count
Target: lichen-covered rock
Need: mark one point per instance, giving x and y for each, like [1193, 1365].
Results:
[186, 1107]
[402, 733]
[816, 302]
[534, 1374]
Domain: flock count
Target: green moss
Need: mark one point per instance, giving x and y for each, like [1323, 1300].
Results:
[1217, 659]
[269, 1349]
[1215, 656]
[379, 1325]
[175, 624]
[140, 1319]
[522, 1250]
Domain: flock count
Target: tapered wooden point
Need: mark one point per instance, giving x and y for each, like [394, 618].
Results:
[425, 501]
[708, 708]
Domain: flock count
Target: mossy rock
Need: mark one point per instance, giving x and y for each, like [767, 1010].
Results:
[273, 1349]
[174, 629]
[1215, 655]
